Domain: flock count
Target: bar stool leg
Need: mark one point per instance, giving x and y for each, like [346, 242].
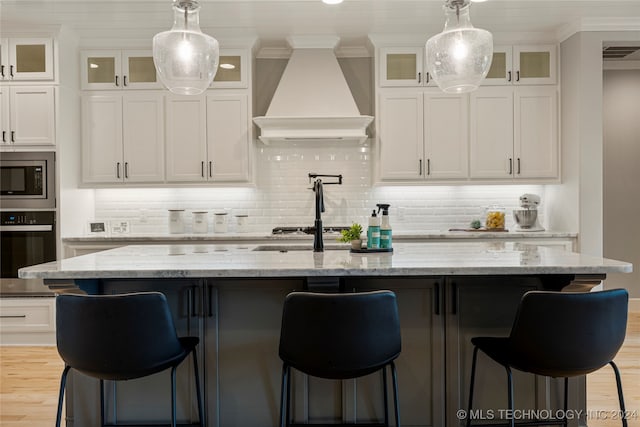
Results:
[394, 376]
[472, 382]
[198, 393]
[63, 384]
[620, 395]
[565, 419]
[284, 393]
[510, 396]
[102, 403]
[173, 396]
[385, 396]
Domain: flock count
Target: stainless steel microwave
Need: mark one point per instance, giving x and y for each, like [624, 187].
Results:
[27, 180]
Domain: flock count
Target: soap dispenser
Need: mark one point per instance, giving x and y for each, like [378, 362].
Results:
[373, 232]
[385, 227]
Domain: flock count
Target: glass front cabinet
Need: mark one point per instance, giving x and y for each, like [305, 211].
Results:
[523, 65]
[26, 59]
[232, 69]
[118, 69]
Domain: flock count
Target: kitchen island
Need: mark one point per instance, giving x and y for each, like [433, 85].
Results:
[231, 297]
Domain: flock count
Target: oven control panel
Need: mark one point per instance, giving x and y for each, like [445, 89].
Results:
[27, 218]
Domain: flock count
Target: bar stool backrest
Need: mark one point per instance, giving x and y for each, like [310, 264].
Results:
[117, 337]
[564, 334]
[341, 335]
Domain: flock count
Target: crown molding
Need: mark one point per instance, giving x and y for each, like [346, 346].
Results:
[598, 24]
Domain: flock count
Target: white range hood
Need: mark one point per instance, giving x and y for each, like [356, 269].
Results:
[313, 101]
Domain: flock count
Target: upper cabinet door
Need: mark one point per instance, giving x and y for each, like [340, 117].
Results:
[139, 71]
[233, 69]
[536, 132]
[535, 65]
[446, 135]
[28, 59]
[100, 69]
[32, 115]
[491, 132]
[228, 138]
[500, 72]
[186, 129]
[102, 150]
[401, 136]
[401, 66]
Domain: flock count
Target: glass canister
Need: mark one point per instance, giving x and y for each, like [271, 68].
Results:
[200, 224]
[494, 218]
[176, 221]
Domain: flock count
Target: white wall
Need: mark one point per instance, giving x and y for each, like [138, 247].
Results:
[621, 108]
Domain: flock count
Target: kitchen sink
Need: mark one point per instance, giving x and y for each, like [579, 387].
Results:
[306, 247]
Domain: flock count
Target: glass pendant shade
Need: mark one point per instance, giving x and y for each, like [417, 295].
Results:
[186, 59]
[459, 58]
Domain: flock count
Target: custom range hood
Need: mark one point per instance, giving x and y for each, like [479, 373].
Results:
[313, 101]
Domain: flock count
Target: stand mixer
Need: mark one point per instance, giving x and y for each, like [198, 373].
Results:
[527, 216]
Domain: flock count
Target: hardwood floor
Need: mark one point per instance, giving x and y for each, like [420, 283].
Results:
[30, 378]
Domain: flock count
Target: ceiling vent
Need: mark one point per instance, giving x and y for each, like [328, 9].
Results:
[620, 52]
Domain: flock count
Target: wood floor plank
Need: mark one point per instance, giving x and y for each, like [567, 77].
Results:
[30, 378]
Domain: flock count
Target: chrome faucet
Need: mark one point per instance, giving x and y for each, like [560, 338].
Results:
[318, 244]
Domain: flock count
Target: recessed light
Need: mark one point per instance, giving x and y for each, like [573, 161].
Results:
[332, 1]
[227, 66]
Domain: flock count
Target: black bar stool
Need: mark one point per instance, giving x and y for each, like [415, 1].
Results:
[339, 336]
[559, 335]
[121, 337]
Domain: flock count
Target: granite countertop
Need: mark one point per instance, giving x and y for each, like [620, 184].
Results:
[328, 237]
[434, 258]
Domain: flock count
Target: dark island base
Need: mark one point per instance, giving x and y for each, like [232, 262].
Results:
[238, 323]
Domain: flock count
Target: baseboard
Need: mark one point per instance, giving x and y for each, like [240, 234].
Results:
[634, 305]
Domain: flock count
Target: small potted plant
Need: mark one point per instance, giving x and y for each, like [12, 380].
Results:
[353, 235]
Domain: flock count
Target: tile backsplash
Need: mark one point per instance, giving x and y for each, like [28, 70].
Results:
[282, 195]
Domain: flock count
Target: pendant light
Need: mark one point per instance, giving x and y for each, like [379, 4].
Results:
[459, 57]
[186, 59]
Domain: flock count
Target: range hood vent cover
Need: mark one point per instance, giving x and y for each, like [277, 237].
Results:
[312, 101]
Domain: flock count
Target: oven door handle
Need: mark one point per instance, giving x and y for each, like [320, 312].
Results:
[9, 228]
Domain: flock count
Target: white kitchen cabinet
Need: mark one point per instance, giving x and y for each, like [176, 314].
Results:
[403, 66]
[208, 138]
[25, 58]
[523, 65]
[423, 136]
[123, 138]
[228, 137]
[27, 115]
[118, 69]
[514, 132]
[233, 69]
[27, 321]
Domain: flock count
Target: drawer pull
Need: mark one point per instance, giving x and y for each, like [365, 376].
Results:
[14, 316]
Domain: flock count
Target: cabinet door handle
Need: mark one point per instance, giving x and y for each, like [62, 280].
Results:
[210, 169]
[427, 77]
[117, 83]
[118, 170]
[124, 80]
[518, 165]
[428, 166]
[13, 316]
[420, 167]
[126, 170]
[510, 166]
[4, 136]
[454, 298]
[13, 136]
[202, 168]
[194, 302]
[436, 299]
[518, 75]
[11, 70]
[419, 77]
[189, 302]
[210, 300]
[509, 76]
[2, 71]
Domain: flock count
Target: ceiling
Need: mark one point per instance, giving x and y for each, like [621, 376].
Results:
[272, 21]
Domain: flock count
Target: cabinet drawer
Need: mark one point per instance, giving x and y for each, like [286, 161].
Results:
[27, 314]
